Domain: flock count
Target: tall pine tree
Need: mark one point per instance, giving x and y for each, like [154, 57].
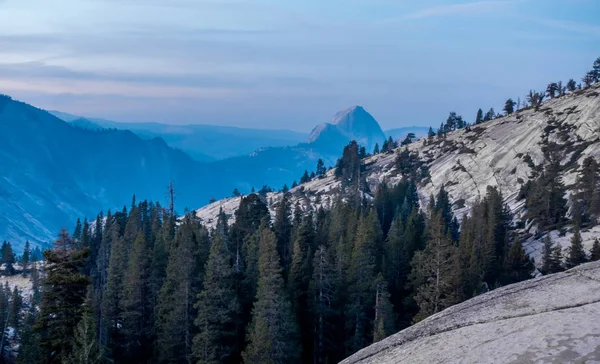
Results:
[272, 333]
[62, 301]
[218, 309]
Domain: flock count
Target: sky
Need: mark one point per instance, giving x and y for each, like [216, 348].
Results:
[289, 64]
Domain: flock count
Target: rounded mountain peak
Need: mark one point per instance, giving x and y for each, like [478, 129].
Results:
[353, 123]
[357, 123]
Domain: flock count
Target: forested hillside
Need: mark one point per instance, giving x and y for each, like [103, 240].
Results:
[347, 257]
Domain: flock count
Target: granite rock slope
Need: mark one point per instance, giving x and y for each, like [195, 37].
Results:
[550, 319]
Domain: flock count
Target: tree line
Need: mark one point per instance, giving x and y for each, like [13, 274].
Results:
[144, 286]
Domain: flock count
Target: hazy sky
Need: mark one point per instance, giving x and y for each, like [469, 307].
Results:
[289, 63]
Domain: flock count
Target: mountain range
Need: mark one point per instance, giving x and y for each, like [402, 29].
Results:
[204, 143]
[207, 143]
[54, 171]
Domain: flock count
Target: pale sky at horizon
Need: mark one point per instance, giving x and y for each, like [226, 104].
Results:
[289, 64]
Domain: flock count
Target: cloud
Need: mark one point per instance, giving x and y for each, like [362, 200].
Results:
[472, 8]
[145, 83]
[570, 26]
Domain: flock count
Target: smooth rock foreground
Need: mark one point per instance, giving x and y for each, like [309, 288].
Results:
[550, 319]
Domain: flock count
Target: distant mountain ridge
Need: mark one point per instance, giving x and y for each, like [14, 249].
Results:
[203, 142]
[53, 172]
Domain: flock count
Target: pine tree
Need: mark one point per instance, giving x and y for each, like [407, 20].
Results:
[490, 115]
[15, 316]
[595, 251]
[557, 260]
[571, 85]
[4, 311]
[305, 177]
[362, 152]
[561, 89]
[322, 292]
[26, 258]
[552, 89]
[588, 194]
[383, 325]
[362, 272]
[248, 218]
[376, 149]
[547, 255]
[8, 257]
[35, 284]
[396, 256]
[384, 146]
[435, 271]
[218, 309]
[77, 231]
[479, 117]
[596, 69]
[158, 269]
[135, 304]
[588, 79]
[321, 170]
[111, 299]
[392, 144]
[282, 227]
[85, 344]
[443, 205]
[63, 297]
[440, 131]
[175, 313]
[576, 254]
[349, 166]
[299, 279]
[517, 264]
[509, 106]
[451, 122]
[29, 350]
[272, 334]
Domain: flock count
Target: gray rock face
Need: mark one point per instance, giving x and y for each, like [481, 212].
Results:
[354, 123]
[469, 160]
[551, 319]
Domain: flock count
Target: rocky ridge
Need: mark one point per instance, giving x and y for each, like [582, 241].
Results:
[500, 153]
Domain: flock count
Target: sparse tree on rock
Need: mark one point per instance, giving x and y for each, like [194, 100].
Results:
[479, 117]
[321, 170]
[589, 79]
[552, 89]
[430, 133]
[509, 106]
[596, 69]
[305, 177]
[490, 115]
